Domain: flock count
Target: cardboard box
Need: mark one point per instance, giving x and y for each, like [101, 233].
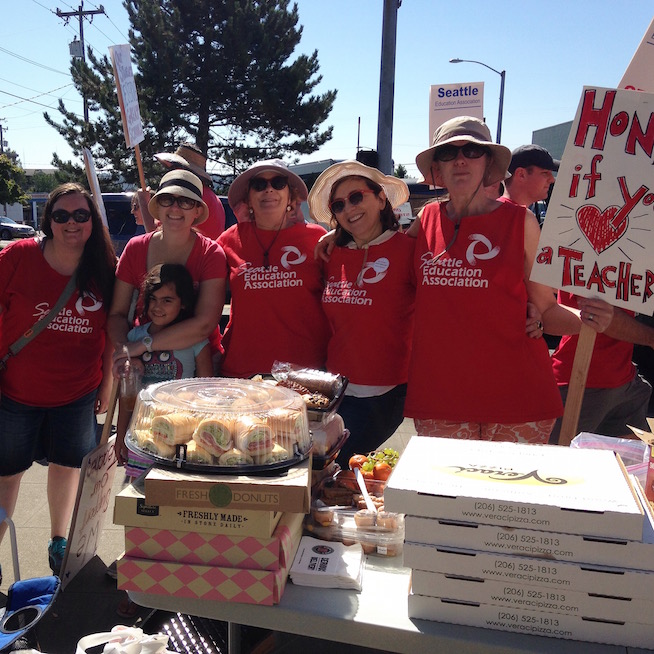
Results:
[217, 549]
[288, 492]
[541, 544]
[211, 583]
[514, 485]
[591, 606]
[131, 510]
[529, 571]
[613, 632]
[648, 438]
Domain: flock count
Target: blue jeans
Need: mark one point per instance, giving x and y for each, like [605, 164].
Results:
[370, 421]
[63, 435]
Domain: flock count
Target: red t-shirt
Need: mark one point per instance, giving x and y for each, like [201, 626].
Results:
[206, 261]
[64, 362]
[610, 365]
[276, 314]
[214, 225]
[371, 321]
[472, 359]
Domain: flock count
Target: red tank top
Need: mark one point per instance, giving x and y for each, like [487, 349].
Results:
[471, 358]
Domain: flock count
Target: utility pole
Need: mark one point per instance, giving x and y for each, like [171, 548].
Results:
[2, 140]
[387, 87]
[81, 14]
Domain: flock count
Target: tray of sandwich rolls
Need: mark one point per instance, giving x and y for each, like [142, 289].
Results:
[220, 425]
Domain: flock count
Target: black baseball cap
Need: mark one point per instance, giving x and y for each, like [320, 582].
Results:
[532, 155]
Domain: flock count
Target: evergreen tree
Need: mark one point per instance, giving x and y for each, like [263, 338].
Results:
[215, 71]
[400, 171]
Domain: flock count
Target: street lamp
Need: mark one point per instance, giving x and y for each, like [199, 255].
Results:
[502, 75]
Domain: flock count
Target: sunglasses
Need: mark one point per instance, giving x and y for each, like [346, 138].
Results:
[261, 183]
[61, 216]
[469, 151]
[354, 198]
[167, 200]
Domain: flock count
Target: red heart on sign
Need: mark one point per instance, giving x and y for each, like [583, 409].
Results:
[597, 226]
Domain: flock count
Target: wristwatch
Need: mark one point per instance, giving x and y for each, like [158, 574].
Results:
[147, 341]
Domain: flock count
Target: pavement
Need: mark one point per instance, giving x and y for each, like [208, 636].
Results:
[90, 602]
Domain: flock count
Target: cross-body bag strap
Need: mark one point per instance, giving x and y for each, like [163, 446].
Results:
[40, 325]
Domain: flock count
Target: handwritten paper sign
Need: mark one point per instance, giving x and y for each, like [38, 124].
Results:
[127, 96]
[598, 237]
[639, 76]
[91, 508]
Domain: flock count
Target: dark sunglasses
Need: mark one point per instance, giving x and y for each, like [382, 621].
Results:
[469, 151]
[354, 198]
[261, 183]
[167, 200]
[61, 216]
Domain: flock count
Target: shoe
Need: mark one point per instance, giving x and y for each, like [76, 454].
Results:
[56, 551]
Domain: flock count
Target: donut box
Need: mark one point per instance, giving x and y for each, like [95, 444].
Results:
[131, 510]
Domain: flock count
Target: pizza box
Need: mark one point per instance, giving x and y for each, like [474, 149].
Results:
[131, 510]
[216, 549]
[616, 552]
[529, 571]
[534, 598]
[206, 582]
[489, 616]
[546, 487]
[648, 439]
[288, 492]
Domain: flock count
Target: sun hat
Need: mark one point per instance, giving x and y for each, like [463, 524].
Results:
[238, 190]
[395, 189]
[473, 130]
[532, 155]
[182, 183]
[188, 156]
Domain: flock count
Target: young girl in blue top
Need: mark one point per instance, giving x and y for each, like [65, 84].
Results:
[168, 297]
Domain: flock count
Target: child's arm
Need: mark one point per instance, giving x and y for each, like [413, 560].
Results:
[203, 363]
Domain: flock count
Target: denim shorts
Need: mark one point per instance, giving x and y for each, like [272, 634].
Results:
[63, 435]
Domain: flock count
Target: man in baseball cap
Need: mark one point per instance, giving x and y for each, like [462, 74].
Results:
[531, 170]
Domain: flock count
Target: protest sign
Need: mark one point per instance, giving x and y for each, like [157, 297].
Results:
[91, 508]
[598, 236]
[448, 101]
[127, 96]
[94, 185]
[639, 75]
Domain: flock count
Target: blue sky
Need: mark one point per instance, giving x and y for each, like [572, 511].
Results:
[549, 49]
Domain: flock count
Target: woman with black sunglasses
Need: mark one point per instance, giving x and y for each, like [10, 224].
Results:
[275, 282]
[52, 388]
[474, 371]
[178, 207]
[368, 298]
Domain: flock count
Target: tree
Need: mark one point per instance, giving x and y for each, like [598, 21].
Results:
[12, 179]
[41, 182]
[222, 72]
[400, 171]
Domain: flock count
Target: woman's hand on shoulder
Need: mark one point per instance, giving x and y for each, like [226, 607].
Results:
[325, 246]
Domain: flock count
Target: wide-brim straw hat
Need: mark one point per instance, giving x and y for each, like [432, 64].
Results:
[473, 130]
[182, 183]
[238, 191]
[185, 157]
[395, 189]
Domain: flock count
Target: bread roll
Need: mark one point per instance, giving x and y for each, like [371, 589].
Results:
[197, 454]
[158, 447]
[214, 435]
[235, 457]
[253, 435]
[277, 454]
[173, 428]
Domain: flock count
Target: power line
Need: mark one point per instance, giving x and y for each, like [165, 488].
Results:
[30, 61]
[32, 98]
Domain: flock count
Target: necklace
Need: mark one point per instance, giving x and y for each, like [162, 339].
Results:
[266, 250]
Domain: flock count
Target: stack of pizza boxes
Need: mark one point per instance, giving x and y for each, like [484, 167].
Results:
[534, 539]
[212, 537]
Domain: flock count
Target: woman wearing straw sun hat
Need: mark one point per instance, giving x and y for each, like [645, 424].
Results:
[179, 208]
[275, 282]
[474, 372]
[368, 298]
